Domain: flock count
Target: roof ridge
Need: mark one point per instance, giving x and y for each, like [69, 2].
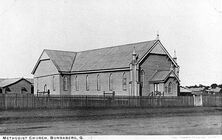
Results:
[73, 61]
[116, 46]
[12, 78]
[58, 50]
[100, 48]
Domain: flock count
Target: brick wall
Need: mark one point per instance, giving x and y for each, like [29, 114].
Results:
[152, 63]
[44, 76]
[174, 87]
[104, 83]
[40, 82]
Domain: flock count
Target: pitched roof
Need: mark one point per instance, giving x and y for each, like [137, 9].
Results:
[162, 75]
[198, 89]
[111, 57]
[10, 81]
[31, 80]
[63, 60]
[217, 89]
[116, 57]
[183, 89]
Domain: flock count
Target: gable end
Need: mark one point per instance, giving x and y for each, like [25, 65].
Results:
[158, 48]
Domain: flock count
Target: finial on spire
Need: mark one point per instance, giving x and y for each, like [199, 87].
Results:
[175, 54]
[157, 36]
[175, 57]
[134, 55]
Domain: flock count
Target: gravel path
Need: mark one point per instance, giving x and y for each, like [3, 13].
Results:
[166, 121]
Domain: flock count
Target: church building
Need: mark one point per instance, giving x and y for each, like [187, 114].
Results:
[137, 69]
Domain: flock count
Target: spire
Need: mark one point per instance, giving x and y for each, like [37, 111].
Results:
[134, 55]
[134, 51]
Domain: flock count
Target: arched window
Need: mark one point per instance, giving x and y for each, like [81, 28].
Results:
[23, 90]
[32, 89]
[170, 88]
[7, 90]
[45, 88]
[76, 83]
[156, 87]
[110, 82]
[173, 87]
[53, 83]
[37, 84]
[165, 90]
[65, 83]
[98, 82]
[87, 82]
[124, 80]
[142, 78]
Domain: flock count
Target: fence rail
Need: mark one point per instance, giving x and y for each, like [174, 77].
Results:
[30, 101]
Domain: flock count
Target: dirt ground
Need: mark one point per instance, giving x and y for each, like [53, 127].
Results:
[162, 121]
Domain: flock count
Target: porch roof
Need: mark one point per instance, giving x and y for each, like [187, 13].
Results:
[162, 75]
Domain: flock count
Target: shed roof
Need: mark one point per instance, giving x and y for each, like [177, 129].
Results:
[10, 81]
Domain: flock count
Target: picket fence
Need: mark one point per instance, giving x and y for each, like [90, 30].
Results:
[30, 101]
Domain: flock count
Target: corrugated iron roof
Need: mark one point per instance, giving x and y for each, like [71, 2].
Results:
[104, 58]
[63, 60]
[216, 90]
[9, 81]
[116, 57]
[197, 89]
[31, 80]
[183, 89]
[160, 75]
[111, 57]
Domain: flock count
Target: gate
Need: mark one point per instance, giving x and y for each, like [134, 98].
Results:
[198, 101]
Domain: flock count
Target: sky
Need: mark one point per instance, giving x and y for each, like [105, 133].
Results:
[193, 28]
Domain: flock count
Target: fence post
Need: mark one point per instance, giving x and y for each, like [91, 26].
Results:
[27, 101]
[5, 99]
[86, 101]
[16, 102]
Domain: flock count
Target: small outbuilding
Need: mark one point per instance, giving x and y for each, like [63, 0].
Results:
[15, 85]
[215, 91]
[185, 91]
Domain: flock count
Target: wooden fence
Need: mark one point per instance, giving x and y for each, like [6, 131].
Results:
[212, 100]
[29, 101]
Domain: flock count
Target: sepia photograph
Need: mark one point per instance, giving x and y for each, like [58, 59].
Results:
[110, 69]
